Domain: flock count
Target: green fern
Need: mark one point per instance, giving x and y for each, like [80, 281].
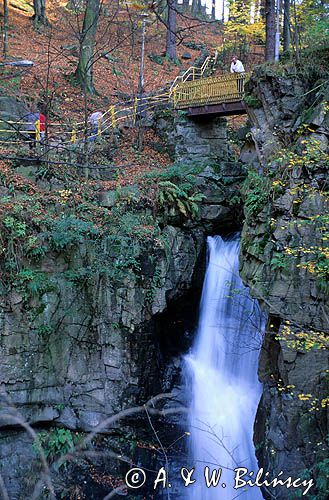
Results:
[179, 198]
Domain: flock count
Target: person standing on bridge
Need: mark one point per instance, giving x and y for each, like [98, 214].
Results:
[237, 67]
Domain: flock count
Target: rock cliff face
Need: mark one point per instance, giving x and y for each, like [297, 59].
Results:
[82, 363]
[78, 360]
[284, 250]
[10, 109]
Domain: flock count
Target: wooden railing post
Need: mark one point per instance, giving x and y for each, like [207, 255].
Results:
[74, 136]
[99, 125]
[175, 96]
[37, 131]
[113, 116]
[135, 109]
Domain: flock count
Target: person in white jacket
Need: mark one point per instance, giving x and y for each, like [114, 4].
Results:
[237, 67]
[95, 121]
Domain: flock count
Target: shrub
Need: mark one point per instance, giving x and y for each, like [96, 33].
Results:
[252, 101]
[256, 189]
[16, 227]
[55, 443]
[33, 283]
[70, 231]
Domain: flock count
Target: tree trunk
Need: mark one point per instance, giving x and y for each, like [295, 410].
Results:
[270, 30]
[213, 10]
[296, 32]
[186, 5]
[5, 28]
[39, 13]
[171, 30]
[286, 26]
[84, 72]
[323, 13]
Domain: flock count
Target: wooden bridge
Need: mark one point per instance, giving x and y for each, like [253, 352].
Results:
[215, 95]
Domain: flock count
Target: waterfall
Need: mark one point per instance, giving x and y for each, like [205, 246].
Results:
[222, 369]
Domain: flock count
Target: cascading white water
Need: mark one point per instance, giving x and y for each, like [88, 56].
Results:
[222, 367]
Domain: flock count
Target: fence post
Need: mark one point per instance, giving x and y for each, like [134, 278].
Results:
[113, 116]
[135, 109]
[74, 136]
[37, 131]
[176, 97]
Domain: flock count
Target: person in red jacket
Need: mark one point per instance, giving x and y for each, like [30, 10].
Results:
[42, 119]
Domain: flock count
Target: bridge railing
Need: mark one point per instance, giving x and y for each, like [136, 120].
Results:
[195, 72]
[211, 90]
[15, 132]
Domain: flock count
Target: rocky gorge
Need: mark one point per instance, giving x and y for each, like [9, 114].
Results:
[100, 300]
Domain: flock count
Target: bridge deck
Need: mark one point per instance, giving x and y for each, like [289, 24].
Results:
[222, 109]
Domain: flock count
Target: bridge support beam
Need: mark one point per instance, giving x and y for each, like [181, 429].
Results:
[203, 141]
